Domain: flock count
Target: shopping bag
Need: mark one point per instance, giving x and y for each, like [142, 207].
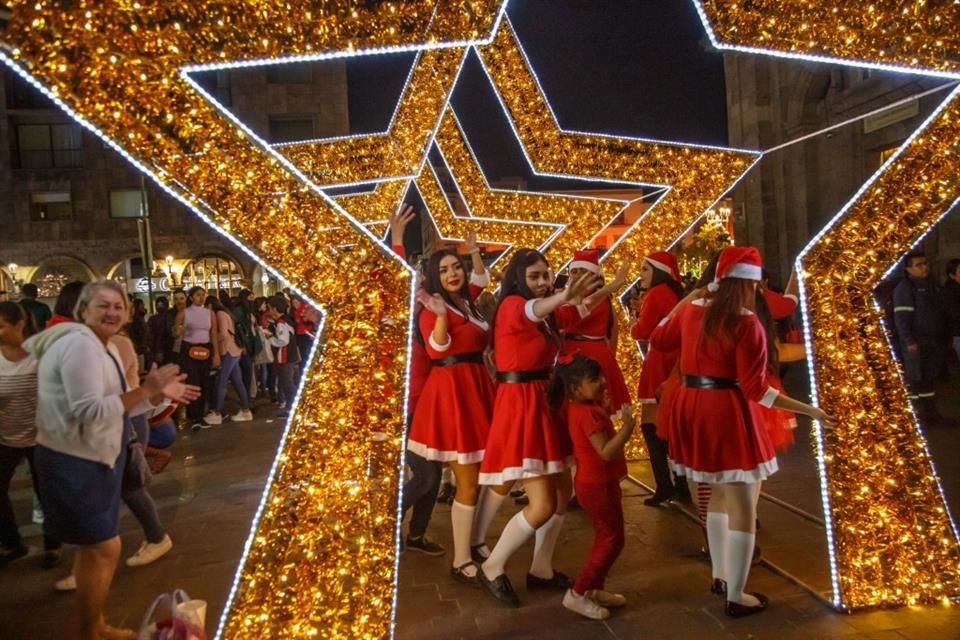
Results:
[174, 616]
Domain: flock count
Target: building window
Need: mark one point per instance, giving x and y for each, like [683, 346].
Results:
[290, 73]
[50, 205]
[126, 203]
[47, 146]
[290, 129]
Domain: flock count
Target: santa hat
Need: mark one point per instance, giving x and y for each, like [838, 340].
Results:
[666, 262]
[738, 262]
[589, 260]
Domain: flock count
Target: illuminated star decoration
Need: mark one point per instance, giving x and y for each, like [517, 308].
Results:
[321, 559]
[696, 176]
[890, 536]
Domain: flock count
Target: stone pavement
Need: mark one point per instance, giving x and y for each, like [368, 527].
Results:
[210, 491]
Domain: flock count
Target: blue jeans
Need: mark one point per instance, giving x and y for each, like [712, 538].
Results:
[139, 500]
[230, 369]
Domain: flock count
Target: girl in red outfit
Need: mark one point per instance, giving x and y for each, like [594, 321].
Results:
[593, 333]
[525, 442]
[578, 393]
[452, 419]
[717, 433]
[660, 277]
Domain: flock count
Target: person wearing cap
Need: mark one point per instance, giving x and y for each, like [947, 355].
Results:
[660, 278]
[717, 435]
[593, 332]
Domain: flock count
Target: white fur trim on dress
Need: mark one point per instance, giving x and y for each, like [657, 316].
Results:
[792, 297]
[769, 397]
[422, 450]
[589, 266]
[531, 469]
[481, 281]
[439, 347]
[528, 310]
[761, 472]
[745, 271]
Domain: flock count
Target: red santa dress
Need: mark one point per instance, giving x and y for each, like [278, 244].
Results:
[451, 420]
[525, 440]
[657, 365]
[718, 435]
[780, 424]
[588, 335]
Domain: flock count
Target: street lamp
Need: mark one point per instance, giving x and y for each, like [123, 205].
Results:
[12, 268]
[169, 261]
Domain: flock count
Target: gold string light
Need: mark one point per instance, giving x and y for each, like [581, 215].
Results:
[321, 559]
[697, 176]
[890, 534]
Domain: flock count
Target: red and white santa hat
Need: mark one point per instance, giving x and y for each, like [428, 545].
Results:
[589, 260]
[739, 262]
[666, 262]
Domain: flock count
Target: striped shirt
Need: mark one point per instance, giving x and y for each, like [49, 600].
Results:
[18, 402]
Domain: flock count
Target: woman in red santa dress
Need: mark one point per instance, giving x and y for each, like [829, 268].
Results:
[593, 332]
[525, 442]
[660, 278]
[717, 432]
[452, 417]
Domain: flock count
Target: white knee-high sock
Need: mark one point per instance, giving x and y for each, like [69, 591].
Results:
[542, 565]
[461, 517]
[517, 531]
[738, 558]
[718, 528]
[487, 507]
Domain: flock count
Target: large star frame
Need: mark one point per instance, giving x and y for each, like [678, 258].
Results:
[890, 536]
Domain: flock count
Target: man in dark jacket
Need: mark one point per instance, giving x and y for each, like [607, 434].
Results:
[41, 313]
[922, 330]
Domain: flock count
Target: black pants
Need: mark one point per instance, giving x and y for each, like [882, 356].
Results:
[922, 369]
[658, 458]
[198, 373]
[10, 458]
[420, 492]
[304, 344]
[285, 381]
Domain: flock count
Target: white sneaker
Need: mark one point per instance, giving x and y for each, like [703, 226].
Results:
[67, 584]
[244, 415]
[584, 606]
[213, 417]
[150, 552]
[607, 599]
[282, 405]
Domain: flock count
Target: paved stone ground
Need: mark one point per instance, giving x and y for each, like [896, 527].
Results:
[210, 491]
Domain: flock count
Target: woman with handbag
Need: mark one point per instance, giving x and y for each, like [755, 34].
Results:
[82, 435]
[199, 352]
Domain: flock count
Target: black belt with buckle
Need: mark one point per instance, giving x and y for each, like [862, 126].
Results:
[709, 382]
[513, 377]
[579, 337]
[449, 361]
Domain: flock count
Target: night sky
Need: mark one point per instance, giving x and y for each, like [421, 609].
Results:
[639, 68]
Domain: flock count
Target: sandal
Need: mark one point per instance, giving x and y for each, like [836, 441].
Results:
[460, 574]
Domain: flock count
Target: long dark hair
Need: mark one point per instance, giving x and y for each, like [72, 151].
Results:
[762, 309]
[431, 281]
[570, 374]
[662, 277]
[726, 305]
[13, 313]
[515, 284]
[67, 299]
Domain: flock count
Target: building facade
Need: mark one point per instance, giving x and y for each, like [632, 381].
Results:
[70, 206]
[793, 192]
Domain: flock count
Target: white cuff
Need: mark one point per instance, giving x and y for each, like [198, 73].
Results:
[439, 347]
[665, 320]
[582, 310]
[480, 281]
[792, 297]
[528, 311]
[769, 397]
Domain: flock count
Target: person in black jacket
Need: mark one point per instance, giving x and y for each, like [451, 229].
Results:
[922, 330]
[951, 299]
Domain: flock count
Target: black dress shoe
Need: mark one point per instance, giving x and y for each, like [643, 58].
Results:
[460, 575]
[559, 582]
[476, 553]
[737, 610]
[718, 587]
[500, 588]
[659, 498]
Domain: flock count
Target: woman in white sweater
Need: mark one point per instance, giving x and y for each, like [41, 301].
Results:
[83, 429]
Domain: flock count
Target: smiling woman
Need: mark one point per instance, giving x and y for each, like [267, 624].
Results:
[83, 428]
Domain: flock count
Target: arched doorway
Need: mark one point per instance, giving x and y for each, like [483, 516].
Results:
[56, 271]
[214, 272]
